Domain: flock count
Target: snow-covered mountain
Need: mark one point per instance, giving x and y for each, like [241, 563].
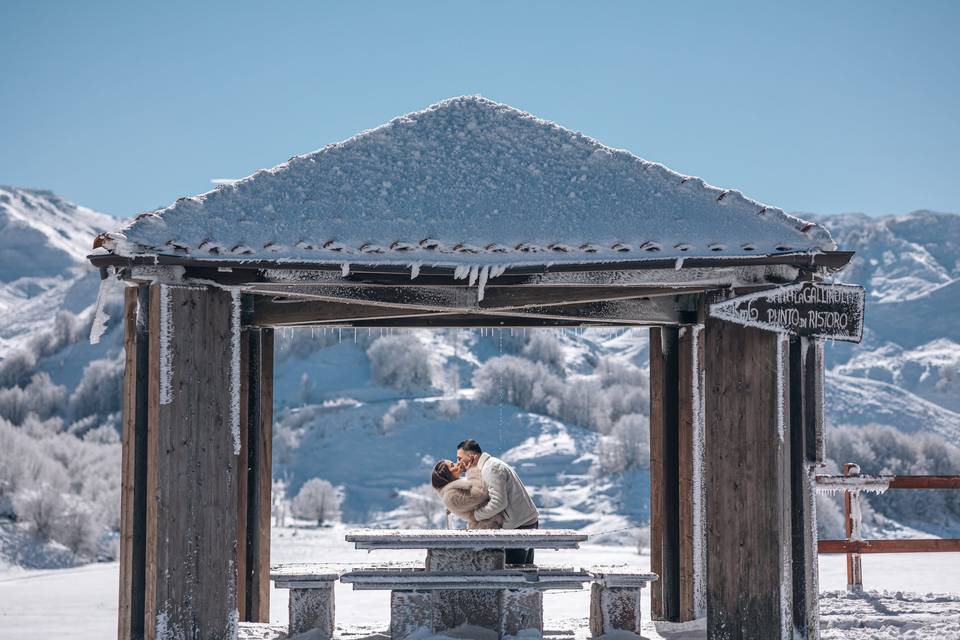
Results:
[44, 241]
[910, 266]
[336, 419]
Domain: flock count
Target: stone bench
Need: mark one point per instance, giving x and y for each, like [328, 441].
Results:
[311, 606]
[615, 599]
[506, 601]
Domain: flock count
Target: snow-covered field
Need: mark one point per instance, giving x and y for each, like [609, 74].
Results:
[81, 603]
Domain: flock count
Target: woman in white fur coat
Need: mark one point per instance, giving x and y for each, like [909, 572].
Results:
[462, 494]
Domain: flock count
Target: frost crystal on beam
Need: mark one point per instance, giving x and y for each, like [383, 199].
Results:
[166, 356]
[235, 368]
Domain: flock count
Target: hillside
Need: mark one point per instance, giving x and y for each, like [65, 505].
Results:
[568, 408]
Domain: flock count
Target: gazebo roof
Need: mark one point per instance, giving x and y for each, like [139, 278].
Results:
[466, 182]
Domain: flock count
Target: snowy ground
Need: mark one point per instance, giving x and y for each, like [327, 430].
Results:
[85, 598]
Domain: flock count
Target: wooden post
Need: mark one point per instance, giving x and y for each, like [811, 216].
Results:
[851, 514]
[193, 440]
[806, 429]
[665, 473]
[257, 383]
[133, 463]
[747, 484]
[692, 544]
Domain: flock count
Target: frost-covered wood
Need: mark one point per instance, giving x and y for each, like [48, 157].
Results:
[192, 470]
[665, 471]
[133, 465]
[805, 427]
[692, 558]
[254, 484]
[747, 472]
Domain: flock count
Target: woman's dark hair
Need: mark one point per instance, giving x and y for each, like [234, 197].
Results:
[442, 476]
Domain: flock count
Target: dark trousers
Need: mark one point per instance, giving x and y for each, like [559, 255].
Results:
[521, 556]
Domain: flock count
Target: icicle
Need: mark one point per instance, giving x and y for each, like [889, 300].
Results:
[474, 271]
[461, 272]
[100, 316]
[414, 270]
[166, 357]
[339, 335]
[678, 264]
[484, 272]
[235, 369]
[345, 269]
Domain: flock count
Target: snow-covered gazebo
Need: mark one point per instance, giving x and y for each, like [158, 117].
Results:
[469, 213]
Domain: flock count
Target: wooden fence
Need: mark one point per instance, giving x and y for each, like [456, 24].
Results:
[853, 484]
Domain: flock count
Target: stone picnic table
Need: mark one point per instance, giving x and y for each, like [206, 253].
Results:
[465, 581]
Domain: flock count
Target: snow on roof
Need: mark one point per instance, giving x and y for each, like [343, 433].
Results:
[466, 181]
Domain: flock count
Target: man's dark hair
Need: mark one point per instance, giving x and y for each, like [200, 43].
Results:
[470, 445]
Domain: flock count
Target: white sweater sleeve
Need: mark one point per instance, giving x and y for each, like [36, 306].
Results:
[496, 481]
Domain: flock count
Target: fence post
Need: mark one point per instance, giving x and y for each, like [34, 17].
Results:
[852, 516]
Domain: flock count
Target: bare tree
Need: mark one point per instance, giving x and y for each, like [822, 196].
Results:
[318, 500]
[422, 505]
[279, 503]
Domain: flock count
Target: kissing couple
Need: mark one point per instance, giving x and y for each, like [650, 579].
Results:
[487, 493]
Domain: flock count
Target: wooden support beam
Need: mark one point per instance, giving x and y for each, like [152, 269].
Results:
[259, 476]
[692, 530]
[806, 442]
[925, 482]
[747, 484]
[467, 298]
[834, 260]
[938, 545]
[192, 466]
[133, 464]
[243, 477]
[811, 373]
[664, 473]
[659, 311]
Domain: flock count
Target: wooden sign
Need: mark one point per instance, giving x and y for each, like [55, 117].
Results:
[812, 309]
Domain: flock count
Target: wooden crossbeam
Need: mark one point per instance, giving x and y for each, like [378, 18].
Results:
[466, 298]
[888, 546]
[274, 312]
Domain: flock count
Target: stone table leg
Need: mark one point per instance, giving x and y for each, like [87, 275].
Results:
[411, 614]
[312, 610]
[614, 609]
[454, 607]
[520, 610]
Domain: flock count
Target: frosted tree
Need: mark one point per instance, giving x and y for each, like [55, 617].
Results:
[628, 445]
[422, 506]
[318, 500]
[545, 348]
[394, 415]
[99, 390]
[400, 361]
[43, 506]
[279, 505]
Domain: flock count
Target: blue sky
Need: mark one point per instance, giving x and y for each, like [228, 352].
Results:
[825, 107]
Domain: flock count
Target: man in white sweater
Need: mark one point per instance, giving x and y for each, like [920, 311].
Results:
[508, 496]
